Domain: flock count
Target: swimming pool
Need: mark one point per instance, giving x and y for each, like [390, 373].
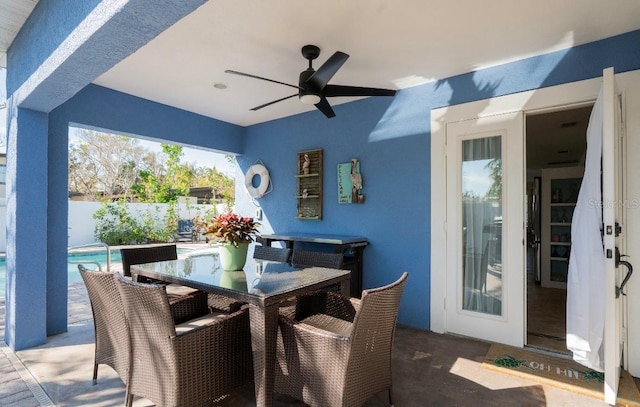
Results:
[88, 258]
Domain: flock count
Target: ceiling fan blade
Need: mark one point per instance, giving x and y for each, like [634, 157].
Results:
[324, 74]
[275, 101]
[260, 77]
[338, 90]
[324, 106]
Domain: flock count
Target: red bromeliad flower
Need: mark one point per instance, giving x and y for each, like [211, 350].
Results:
[229, 228]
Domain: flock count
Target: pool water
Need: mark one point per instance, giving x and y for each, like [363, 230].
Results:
[87, 258]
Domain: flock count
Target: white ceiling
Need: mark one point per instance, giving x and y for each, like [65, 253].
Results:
[392, 45]
[13, 14]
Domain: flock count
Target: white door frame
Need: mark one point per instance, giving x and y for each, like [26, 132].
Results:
[613, 193]
[545, 99]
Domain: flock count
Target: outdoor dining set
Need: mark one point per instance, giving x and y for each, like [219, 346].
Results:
[185, 332]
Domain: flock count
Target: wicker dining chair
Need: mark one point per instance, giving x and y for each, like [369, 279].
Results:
[109, 323]
[146, 254]
[306, 258]
[271, 253]
[188, 301]
[341, 357]
[190, 364]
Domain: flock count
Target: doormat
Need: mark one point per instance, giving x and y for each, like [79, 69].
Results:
[558, 372]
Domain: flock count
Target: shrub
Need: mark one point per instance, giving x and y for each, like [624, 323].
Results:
[116, 226]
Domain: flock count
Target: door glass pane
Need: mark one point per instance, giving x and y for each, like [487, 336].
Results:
[482, 225]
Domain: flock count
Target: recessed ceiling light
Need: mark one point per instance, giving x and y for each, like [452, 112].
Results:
[219, 85]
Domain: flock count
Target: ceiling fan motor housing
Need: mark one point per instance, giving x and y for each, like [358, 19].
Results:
[306, 88]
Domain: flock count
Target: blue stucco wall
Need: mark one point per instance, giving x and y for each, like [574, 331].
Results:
[45, 29]
[26, 230]
[59, 51]
[391, 138]
[64, 45]
[394, 166]
[102, 108]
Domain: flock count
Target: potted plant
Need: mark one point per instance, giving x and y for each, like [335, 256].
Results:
[233, 233]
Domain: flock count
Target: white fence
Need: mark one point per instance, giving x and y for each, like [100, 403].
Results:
[82, 225]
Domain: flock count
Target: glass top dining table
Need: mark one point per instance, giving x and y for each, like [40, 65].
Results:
[263, 285]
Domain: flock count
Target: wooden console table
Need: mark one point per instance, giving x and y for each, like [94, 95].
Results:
[351, 247]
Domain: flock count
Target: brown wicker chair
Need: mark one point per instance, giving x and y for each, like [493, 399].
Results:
[305, 258]
[271, 253]
[149, 254]
[188, 299]
[110, 328]
[190, 364]
[341, 357]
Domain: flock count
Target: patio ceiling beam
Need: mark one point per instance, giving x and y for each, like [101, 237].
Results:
[72, 50]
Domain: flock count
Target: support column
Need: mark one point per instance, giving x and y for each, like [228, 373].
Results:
[26, 259]
[57, 223]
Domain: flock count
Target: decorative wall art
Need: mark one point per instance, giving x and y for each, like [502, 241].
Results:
[350, 183]
[264, 182]
[309, 188]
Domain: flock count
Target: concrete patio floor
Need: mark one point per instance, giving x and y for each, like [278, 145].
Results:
[428, 369]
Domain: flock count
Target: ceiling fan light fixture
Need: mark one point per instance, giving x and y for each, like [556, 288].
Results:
[310, 99]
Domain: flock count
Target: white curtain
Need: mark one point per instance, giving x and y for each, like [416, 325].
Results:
[482, 225]
[586, 280]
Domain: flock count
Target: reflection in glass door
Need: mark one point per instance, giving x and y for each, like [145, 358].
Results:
[482, 225]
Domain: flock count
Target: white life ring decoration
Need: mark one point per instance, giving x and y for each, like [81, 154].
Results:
[261, 171]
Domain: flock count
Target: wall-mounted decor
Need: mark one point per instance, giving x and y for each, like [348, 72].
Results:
[257, 170]
[350, 183]
[309, 189]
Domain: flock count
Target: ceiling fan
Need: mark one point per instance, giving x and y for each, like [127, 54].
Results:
[312, 85]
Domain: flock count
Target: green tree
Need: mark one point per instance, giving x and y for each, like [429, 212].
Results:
[103, 166]
[495, 191]
[167, 182]
[223, 187]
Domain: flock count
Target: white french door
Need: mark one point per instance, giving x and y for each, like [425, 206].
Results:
[485, 228]
[612, 217]
[448, 310]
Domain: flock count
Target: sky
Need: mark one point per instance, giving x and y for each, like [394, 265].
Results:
[200, 157]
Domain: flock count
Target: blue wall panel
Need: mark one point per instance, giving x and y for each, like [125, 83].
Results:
[103, 108]
[395, 170]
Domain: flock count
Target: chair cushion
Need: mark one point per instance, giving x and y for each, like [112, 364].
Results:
[328, 323]
[198, 322]
[179, 290]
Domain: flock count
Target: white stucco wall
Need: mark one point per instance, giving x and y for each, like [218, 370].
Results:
[82, 224]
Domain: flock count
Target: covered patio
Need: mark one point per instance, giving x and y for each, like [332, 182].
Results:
[428, 369]
[156, 70]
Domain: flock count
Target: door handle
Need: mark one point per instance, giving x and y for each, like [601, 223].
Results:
[620, 290]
